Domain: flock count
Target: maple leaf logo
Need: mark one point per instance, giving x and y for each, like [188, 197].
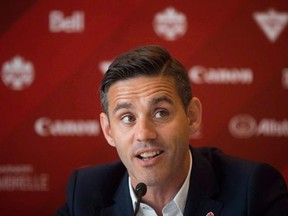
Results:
[272, 23]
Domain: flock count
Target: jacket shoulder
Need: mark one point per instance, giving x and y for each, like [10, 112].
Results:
[254, 186]
[103, 179]
[224, 162]
[229, 168]
[101, 174]
[91, 187]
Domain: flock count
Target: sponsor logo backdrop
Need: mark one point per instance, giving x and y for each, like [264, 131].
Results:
[54, 53]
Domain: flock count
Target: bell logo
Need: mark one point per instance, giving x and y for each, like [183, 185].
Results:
[17, 73]
[170, 24]
[272, 23]
[69, 24]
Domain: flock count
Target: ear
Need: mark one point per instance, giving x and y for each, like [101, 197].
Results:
[106, 128]
[194, 113]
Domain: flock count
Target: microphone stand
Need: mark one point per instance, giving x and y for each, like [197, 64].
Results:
[140, 191]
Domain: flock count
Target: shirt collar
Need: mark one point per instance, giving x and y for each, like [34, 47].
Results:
[181, 196]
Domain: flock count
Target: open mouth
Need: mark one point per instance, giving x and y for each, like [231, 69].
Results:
[149, 155]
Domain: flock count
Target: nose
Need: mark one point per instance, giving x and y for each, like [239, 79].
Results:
[145, 130]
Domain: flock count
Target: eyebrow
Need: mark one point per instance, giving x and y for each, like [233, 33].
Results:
[122, 106]
[157, 100]
[153, 102]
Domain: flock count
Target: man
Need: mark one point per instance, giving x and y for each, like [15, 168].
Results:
[148, 116]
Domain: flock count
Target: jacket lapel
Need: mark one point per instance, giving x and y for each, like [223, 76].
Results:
[200, 202]
[122, 203]
[203, 186]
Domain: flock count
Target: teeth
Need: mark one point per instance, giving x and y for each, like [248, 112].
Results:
[149, 154]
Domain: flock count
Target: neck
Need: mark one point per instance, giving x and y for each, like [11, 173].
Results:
[157, 198]
[159, 195]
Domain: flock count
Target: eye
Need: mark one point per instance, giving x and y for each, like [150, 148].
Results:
[160, 114]
[127, 119]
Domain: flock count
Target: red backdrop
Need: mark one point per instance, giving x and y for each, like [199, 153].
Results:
[53, 56]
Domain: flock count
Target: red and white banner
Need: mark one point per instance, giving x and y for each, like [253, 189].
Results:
[53, 55]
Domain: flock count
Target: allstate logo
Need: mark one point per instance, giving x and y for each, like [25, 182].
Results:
[242, 126]
[17, 73]
[170, 24]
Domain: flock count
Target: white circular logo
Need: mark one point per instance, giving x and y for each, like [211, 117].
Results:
[170, 24]
[242, 126]
[17, 74]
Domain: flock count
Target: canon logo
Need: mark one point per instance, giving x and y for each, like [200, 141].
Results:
[47, 127]
[245, 126]
[202, 75]
[58, 23]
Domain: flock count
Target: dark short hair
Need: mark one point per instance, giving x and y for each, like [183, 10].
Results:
[146, 61]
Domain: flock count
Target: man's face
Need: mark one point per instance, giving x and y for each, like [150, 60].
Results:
[149, 128]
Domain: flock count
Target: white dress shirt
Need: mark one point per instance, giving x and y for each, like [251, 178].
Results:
[174, 208]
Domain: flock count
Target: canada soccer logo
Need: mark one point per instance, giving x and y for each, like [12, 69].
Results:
[170, 24]
[17, 74]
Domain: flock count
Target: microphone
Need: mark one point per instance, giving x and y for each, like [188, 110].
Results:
[140, 191]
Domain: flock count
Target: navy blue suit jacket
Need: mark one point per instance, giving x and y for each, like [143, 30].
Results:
[219, 183]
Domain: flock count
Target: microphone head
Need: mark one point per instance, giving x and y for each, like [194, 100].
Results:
[141, 188]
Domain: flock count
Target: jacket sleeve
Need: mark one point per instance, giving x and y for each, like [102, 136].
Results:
[67, 209]
[267, 192]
